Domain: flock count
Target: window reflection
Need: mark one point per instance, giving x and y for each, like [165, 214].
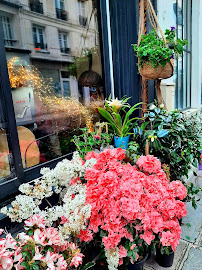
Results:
[54, 65]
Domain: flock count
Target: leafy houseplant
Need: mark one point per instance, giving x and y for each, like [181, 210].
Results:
[118, 113]
[154, 53]
[87, 142]
[174, 138]
[154, 50]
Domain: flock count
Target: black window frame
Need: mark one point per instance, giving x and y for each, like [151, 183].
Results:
[9, 188]
[180, 96]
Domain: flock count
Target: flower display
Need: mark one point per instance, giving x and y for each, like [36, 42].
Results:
[128, 206]
[57, 180]
[122, 195]
[38, 248]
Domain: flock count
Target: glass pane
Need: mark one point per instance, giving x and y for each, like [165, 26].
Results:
[54, 90]
[4, 156]
[66, 88]
[183, 14]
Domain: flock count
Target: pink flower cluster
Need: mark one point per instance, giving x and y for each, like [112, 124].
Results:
[30, 248]
[121, 194]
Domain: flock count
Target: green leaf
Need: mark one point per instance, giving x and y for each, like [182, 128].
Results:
[187, 237]
[88, 265]
[188, 225]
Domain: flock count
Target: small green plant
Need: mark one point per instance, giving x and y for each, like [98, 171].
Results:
[87, 142]
[118, 113]
[152, 49]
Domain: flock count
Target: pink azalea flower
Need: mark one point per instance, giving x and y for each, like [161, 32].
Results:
[149, 164]
[77, 259]
[61, 264]
[122, 252]
[35, 220]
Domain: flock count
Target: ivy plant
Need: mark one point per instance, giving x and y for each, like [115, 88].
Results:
[152, 49]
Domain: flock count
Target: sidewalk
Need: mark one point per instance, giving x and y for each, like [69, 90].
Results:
[188, 255]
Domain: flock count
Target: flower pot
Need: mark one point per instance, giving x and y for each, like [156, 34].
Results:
[138, 265]
[121, 142]
[164, 260]
[159, 72]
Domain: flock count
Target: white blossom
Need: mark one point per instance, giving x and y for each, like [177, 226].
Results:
[22, 208]
[112, 256]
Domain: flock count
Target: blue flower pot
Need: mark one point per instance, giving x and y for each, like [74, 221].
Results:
[121, 142]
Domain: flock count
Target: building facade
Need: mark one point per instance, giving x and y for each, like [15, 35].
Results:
[50, 34]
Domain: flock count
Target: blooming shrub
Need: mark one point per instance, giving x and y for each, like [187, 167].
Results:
[129, 207]
[38, 248]
[57, 180]
[123, 196]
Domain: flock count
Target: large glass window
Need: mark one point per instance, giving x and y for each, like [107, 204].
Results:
[56, 80]
[183, 16]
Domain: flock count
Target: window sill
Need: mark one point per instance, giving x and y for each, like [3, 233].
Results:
[42, 51]
[65, 54]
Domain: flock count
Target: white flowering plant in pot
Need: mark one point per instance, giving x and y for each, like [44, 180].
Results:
[71, 212]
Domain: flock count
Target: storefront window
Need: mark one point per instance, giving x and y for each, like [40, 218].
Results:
[5, 171]
[183, 16]
[55, 75]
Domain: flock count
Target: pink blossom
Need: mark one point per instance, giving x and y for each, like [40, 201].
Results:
[148, 236]
[35, 221]
[149, 164]
[133, 246]
[61, 264]
[77, 259]
[122, 252]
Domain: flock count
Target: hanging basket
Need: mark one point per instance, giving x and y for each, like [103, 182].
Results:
[159, 72]
[147, 71]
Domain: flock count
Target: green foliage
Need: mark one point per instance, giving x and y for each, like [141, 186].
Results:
[175, 139]
[118, 113]
[154, 50]
[87, 142]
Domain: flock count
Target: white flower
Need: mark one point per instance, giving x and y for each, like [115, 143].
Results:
[161, 106]
[152, 107]
[75, 210]
[112, 256]
[22, 208]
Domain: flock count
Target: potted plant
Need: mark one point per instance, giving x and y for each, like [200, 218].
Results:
[174, 138]
[155, 54]
[118, 113]
[130, 206]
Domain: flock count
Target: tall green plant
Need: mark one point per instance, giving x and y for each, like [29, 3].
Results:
[118, 113]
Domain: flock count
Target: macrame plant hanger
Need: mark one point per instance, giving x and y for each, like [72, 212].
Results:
[146, 4]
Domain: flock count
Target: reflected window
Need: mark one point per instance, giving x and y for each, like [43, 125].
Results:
[64, 48]
[54, 92]
[9, 39]
[39, 38]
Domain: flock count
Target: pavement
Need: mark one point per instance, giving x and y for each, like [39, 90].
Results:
[188, 255]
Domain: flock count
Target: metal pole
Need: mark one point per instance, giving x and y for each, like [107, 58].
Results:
[110, 49]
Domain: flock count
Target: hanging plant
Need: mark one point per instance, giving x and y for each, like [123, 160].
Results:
[155, 55]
